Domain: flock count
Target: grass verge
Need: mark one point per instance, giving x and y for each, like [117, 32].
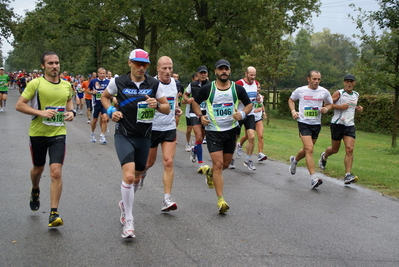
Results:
[376, 163]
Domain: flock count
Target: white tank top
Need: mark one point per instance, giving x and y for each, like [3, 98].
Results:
[345, 117]
[166, 122]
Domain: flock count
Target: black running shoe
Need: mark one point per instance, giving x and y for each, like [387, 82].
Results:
[34, 202]
[54, 220]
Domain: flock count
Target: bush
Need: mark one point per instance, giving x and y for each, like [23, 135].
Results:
[376, 118]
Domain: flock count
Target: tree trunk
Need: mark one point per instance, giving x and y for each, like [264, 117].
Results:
[395, 119]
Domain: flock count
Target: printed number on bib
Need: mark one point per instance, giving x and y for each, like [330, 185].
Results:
[311, 113]
[203, 105]
[223, 110]
[98, 95]
[144, 113]
[57, 119]
[171, 101]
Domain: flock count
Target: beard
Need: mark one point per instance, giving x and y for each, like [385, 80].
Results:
[223, 78]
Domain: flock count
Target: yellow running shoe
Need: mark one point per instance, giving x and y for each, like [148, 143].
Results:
[55, 220]
[208, 175]
[222, 206]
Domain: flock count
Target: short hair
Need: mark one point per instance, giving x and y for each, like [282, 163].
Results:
[313, 71]
[193, 75]
[45, 54]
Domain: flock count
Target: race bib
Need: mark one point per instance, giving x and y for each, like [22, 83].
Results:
[223, 110]
[57, 119]
[311, 113]
[145, 114]
[171, 101]
[98, 95]
[203, 105]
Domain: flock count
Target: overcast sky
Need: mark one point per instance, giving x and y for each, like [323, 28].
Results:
[334, 15]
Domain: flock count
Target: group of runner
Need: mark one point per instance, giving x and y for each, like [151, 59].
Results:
[145, 109]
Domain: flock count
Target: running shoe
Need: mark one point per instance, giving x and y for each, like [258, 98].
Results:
[188, 148]
[1, 110]
[208, 176]
[168, 205]
[316, 182]
[239, 149]
[88, 122]
[232, 165]
[193, 156]
[322, 161]
[222, 206]
[204, 141]
[80, 112]
[54, 220]
[200, 167]
[350, 178]
[250, 165]
[292, 165]
[141, 182]
[93, 138]
[34, 202]
[128, 230]
[107, 130]
[123, 214]
[102, 139]
[262, 157]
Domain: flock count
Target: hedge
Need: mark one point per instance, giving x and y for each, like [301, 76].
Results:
[377, 116]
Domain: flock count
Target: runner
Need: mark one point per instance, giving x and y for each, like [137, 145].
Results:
[221, 124]
[51, 105]
[138, 97]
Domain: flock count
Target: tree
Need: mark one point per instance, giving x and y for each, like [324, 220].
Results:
[386, 47]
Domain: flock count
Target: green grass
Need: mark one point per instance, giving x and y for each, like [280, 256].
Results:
[376, 163]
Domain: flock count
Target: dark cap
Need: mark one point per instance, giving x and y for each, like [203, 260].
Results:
[222, 62]
[350, 77]
[202, 68]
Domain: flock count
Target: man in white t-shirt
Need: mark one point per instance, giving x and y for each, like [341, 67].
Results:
[343, 126]
[164, 132]
[311, 98]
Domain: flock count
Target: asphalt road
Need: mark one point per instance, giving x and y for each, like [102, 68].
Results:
[275, 219]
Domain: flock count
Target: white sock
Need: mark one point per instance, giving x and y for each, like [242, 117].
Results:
[127, 191]
[166, 196]
[247, 158]
[313, 176]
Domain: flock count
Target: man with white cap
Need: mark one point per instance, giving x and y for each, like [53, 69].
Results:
[4, 83]
[343, 126]
[138, 97]
[221, 118]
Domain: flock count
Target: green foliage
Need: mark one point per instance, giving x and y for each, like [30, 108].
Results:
[377, 116]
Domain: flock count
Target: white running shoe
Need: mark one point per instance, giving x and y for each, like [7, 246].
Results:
[316, 182]
[93, 138]
[168, 205]
[128, 230]
[239, 149]
[204, 141]
[102, 139]
[250, 165]
[123, 214]
[1, 110]
[88, 122]
[188, 148]
[107, 130]
[292, 165]
[262, 157]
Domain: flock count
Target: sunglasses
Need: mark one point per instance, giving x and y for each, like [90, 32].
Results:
[138, 64]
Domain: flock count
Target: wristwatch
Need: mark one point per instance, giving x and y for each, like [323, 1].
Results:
[158, 105]
[73, 111]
